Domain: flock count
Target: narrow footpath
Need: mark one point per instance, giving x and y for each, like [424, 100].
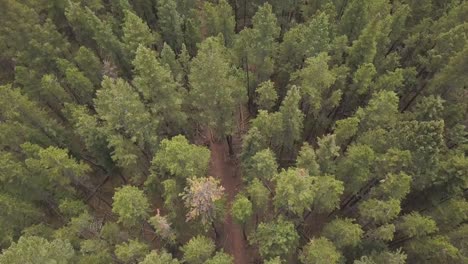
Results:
[224, 168]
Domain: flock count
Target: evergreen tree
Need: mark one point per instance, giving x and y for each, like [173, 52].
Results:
[198, 250]
[318, 251]
[276, 238]
[159, 89]
[136, 33]
[131, 205]
[215, 87]
[171, 23]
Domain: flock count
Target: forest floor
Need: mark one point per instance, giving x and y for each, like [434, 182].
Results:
[223, 167]
[227, 169]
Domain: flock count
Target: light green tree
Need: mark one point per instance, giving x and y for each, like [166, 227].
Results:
[171, 23]
[135, 33]
[262, 166]
[343, 233]
[216, 91]
[198, 250]
[266, 95]
[294, 191]
[241, 209]
[176, 156]
[131, 205]
[292, 119]
[219, 20]
[221, 258]
[307, 160]
[276, 238]
[131, 251]
[320, 251]
[33, 249]
[159, 257]
[328, 191]
[159, 89]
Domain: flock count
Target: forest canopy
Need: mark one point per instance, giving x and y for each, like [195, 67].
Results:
[233, 131]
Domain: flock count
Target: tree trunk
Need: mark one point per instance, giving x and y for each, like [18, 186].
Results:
[215, 230]
[229, 142]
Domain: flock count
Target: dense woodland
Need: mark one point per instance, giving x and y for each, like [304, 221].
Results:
[240, 131]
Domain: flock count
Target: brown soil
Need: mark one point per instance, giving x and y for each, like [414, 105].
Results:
[223, 167]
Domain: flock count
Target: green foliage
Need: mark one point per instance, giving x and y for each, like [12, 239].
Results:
[256, 48]
[416, 225]
[393, 186]
[326, 153]
[110, 232]
[161, 92]
[315, 80]
[436, 249]
[89, 64]
[56, 169]
[159, 257]
[72, 208]
[17, 214]
[304, 41]
[383, 233]
[378, 211]
[386, 257]
[220, 258]
[380, 112]
[168, 57]
[220, 20]
[131, 205]
[355, 167]
[451, 214]
[180, 158]
[266, 95]
[95, 251]
[241, 209]
[198, 250]
[343, 233]
[216, 91]
[294, 191]
[346, 129]
[126, 118]
[360, 104]
[276, 260]
[328, 191]
[276, 238]
[307, 160]
[262, 166]
[259, 194]
[32, 249]
[292, 118]
[136, 33]
[320, 251]
[131, 251]
[362, 78]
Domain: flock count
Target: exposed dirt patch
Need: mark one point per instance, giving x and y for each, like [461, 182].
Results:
[225, 169]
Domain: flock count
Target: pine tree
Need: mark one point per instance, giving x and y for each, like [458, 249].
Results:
[220, 20]
[131, 205]
[160, 91]
[276, 238]
[319, 251]
[171, 23]
[198, 250]
[215, 87]
[136, 33]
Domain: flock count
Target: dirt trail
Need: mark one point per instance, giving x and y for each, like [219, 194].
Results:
[224, 168]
